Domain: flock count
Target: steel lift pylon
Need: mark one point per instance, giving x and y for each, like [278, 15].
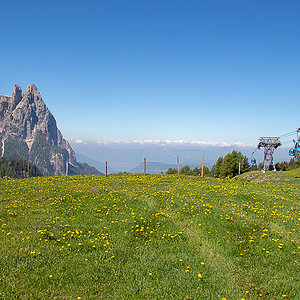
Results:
[269, 144]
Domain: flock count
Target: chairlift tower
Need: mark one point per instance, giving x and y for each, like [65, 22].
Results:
[270, 144]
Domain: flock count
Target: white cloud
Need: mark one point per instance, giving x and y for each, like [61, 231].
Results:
[175, 143]
[79, 142]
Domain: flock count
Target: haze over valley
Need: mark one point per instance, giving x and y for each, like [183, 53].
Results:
[127, 155]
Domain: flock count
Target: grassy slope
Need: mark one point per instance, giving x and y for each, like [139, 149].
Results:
[137, 237]
[287, 176]
[294, 173]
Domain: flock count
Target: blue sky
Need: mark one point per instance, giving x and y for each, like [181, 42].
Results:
[226, 71]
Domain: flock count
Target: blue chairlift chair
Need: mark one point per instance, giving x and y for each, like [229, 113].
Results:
[292, 152]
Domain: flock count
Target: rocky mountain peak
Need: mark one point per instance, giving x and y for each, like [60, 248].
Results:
[32, 93]
[16, 96]
[29, 131]
[31, 88]
[17, 92]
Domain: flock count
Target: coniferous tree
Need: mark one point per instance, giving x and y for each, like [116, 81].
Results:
[229, 165]
[17, 168]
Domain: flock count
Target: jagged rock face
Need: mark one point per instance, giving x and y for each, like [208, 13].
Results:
[29, 131]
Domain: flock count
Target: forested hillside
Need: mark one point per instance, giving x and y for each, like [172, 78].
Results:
[17, 168]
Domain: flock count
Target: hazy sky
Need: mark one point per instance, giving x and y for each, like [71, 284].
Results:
[225, 71]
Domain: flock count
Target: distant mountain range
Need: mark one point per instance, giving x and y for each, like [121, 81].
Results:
[28, 131]
[129, 156]
[100, 166]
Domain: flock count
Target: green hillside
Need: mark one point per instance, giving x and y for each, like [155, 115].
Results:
[286, 176]
[294, 173]
[148, 237]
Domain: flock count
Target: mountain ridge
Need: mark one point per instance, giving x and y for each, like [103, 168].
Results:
[28, 130]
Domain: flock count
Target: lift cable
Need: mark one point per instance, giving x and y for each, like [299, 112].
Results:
[288, 134]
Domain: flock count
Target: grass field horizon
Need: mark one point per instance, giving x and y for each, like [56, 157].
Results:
[149, 237]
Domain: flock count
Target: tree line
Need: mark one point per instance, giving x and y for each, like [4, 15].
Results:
[228, 166]
[186, 170]
[17, 168]
[224, 167]
[294, 163]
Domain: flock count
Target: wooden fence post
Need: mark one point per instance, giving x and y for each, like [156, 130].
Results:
[280, 177]
[202, 164]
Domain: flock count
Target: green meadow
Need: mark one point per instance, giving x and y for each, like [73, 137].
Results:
[149, 237]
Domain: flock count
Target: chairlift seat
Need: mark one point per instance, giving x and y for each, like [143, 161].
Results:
[292, 152]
